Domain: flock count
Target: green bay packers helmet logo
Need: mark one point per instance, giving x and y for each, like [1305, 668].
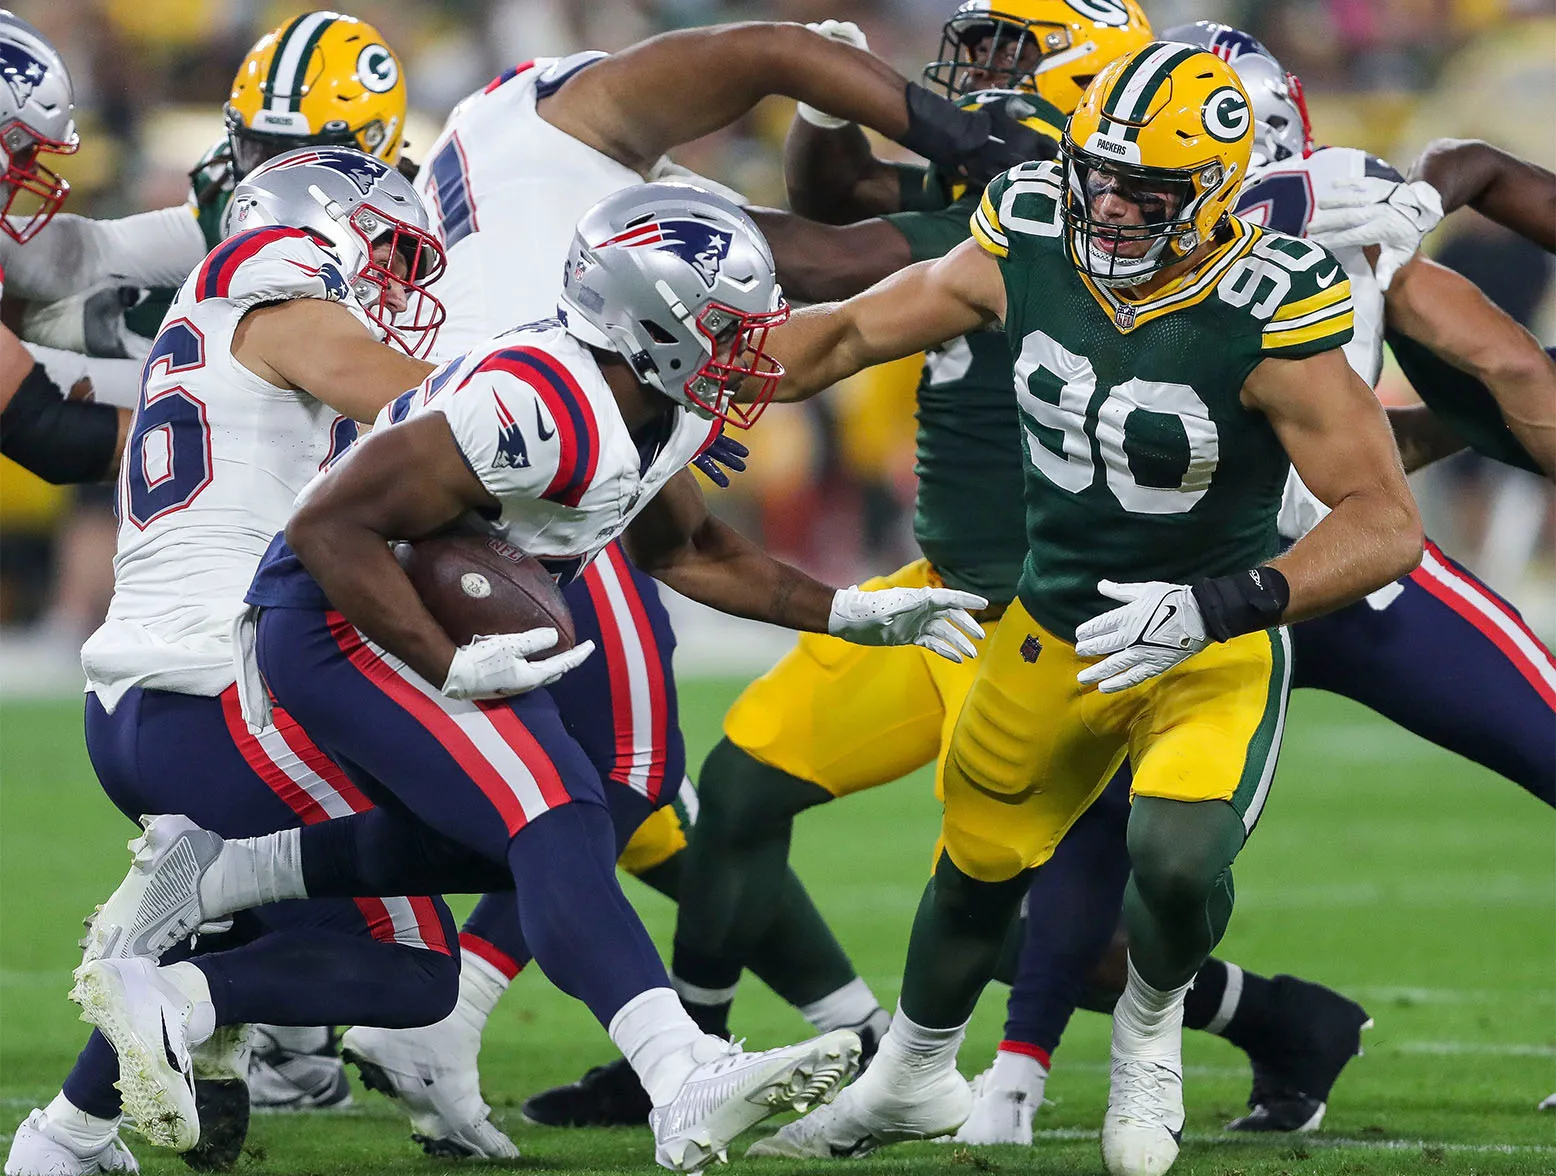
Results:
[1105, 12]
[1227, 115]
[377, 69]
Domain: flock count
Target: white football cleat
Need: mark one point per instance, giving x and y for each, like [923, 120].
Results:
[1144, 1123]
[39, 1148]
[145, 1018]
[1000, 1114]
[731, 1090]
[432, 1072]
[283, 1078]
[158, 903]
[890, 1103]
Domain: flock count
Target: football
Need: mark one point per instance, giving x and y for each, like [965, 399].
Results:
[476, 585]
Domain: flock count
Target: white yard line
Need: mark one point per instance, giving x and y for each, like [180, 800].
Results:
[1073, 1134]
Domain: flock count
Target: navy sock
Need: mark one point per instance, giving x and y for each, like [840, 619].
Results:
[580, 927]
[381, 852]
[90, 1084]
[1072, 910]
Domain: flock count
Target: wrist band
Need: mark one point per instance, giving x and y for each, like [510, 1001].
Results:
[1242, 603]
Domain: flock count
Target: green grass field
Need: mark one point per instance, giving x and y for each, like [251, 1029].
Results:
[1417, 884]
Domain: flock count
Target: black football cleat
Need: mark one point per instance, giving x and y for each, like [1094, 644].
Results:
[224, 1125]
[606, 1096]
[1314, 1034]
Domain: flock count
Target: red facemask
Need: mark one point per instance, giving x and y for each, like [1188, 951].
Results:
[415, 328]
[737, 339]
[21, 146]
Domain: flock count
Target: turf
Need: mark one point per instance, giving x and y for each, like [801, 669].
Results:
[1422, 886]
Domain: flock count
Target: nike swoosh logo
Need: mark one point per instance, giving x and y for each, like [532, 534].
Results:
[167, 1047]
[1328, 279]
[540, 426]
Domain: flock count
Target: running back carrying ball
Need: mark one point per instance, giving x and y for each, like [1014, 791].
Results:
[476, 585]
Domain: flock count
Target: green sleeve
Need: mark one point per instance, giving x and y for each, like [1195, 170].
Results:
[918, 188]
[935, 233]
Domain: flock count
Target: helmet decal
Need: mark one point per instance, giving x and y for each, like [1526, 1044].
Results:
[362, 170]
[377, 69]
[1227, 115]
[701, 246]
[1107, 12]
[21, 70]
[1229, 44]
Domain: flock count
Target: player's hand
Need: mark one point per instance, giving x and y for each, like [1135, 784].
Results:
[723, 451]
[848, 33]
[1158, 626]
[1393, 215]
[496, 667]
[936, 618]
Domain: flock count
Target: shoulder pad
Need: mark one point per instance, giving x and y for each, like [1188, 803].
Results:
[553, 76]
[1024, 202]
[271, 265]
[1308, 306]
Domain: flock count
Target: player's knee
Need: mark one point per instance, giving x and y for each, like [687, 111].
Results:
[983, 906]
[427, 986]
[742, 797]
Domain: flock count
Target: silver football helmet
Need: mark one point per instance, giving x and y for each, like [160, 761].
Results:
[1281, 128]
[356, 203]
[37, 107]
[680, 283]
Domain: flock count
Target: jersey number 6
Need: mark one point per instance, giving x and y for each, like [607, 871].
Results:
[168, 459]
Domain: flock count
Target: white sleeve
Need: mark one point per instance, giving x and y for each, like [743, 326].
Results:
[272, 264]
[75, 253]
[114, 381]
[507, 435]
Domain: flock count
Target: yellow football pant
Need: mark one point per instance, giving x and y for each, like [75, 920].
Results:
[1033, 748]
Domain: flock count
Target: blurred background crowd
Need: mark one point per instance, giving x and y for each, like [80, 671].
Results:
[830, 483]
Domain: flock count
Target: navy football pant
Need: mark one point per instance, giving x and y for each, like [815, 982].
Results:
[501, 778]
[374, 961]
[1441, 655]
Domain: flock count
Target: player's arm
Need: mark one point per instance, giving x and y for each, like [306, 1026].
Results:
[822, 263]
[406, 482]
[1334, 431]
[72, 254]
[638, 104]
[1511, 191]
[832, 175]
[918, 307]
[63, 438]
[324, 349]
[1421, 436]
[1447, 313]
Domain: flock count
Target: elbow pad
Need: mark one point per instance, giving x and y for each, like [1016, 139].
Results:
[62, 441]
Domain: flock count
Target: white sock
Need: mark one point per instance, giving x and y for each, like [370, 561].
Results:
[1148, 1020]
[654, 1034]
[849, 1006]
[253, 871]
[1019, 1071]
[190, 982]
[480, 988]
[300, 1039]
[84, 1133]
[920, 1046]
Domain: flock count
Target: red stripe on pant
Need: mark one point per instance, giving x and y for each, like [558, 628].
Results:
[432, 718]
[486, 950]
[321, 765]
[292, 794]
[615, 673]
[517, 736]
[653, 667]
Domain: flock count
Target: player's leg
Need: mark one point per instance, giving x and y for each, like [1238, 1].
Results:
[1443, 656]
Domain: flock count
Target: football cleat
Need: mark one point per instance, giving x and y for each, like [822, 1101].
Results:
[39, 1148]
[1316, 1033]
[731, 1090]
[158, 903]
[1000, 1114]
[606, 1096]
[891, 1103]
[1144, 1122]
[145, 1018]
[221, 1065]
[1548, 1104]
[432, 1072]
[285, 1080]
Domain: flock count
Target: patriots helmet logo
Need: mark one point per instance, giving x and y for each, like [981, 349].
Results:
[21, 70]
[362, 170]
[699, 244]
[1229, 44]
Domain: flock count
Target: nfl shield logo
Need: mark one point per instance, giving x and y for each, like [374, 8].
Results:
[1124, 316]
[1030, 648]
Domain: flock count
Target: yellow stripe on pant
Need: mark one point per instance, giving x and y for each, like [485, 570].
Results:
[1033, 748]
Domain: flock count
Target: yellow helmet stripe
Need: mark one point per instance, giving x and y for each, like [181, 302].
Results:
[289, 66]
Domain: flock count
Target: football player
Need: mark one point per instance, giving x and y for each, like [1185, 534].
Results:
[270, 357]
[562, 435]
[1154, 465]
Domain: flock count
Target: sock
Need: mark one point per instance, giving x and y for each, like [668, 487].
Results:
[922, 1046]
[190, 983]
[1213, 998]
[1016, 1069]
[383, 852]
[1147, 1021]
[796, 955]
[90, 1084]
[83, 1132]
[480, 988]
[708, 1007]
[253, 871]
[849, 1006]
[299, 1039]
[654, 1034]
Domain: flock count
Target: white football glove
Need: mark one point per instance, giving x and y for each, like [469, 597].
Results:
[1393, 215]
[1158, 626]
[935, 618]
[849, 33]
[495, 667]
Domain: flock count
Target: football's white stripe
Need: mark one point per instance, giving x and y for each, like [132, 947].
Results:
[322, 792]
[1262, 792]
[1132, 94]
[1344, 306]
[289, 75]
[1539, 657]
[642, 716]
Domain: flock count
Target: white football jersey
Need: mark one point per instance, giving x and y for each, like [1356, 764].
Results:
[538, 424]
[215, 458]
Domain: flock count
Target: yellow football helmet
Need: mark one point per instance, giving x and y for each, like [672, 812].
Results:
[1153, 156]
[1051, 47]
[323, 79]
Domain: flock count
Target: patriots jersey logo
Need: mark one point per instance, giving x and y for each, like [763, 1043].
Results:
[700, 245]
[362, 170]
[22, 71]
[512, 452]
[333, 281]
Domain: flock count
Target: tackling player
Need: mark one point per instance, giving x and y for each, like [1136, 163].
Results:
[1142, 448]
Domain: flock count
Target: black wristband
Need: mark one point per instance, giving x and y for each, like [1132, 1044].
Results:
[1244, 603]
[941, 131]
[62, 441]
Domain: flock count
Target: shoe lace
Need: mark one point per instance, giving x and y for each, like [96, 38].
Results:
[1144, 1082]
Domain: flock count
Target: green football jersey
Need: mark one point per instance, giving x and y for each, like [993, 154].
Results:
[210, 188]
[1141, 461]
